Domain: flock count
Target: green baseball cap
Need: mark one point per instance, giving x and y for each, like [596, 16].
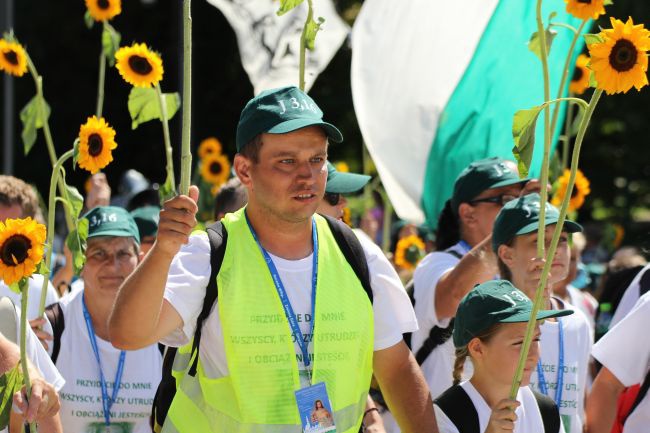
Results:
[279, 111]
[492, 302]
[521, 216]
[344, 183]
[146, 218]
[111, 221]
[482, 175]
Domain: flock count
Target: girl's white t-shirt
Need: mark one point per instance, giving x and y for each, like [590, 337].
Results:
[529, 418]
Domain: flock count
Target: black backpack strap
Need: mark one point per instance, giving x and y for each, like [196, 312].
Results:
[437, 336]
[165, 392]
[218, 237]
[644, 283]
[55, 315]
[549, 411]
[460, 410]
[643, 391]
[352, 250]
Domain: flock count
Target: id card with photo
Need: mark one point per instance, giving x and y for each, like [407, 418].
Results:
[315, 409]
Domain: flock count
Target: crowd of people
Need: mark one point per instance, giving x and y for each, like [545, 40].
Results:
[281, 318]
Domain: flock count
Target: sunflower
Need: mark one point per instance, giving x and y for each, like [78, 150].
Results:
[13, 58]
[342, 167]
[139, 66]
[581, 189]
[103, 10]
[21, 248]
[409, 252]
[620, 61]
[209, 146]
[347, 216]
[215, 169]
[580, 80]
[96, 141]
[585, 9]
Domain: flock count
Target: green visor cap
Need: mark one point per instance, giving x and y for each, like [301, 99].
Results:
[496, 301]
[111, 221]
[146, 218]
[521, 216]
[339, 182]
[482, 175]
[279, 111]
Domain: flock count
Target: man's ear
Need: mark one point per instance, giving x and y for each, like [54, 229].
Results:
[242, 166]
[506, 254]
[466, 214]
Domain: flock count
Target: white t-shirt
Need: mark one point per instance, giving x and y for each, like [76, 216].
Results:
[188, 278]
[631, 296]
[34, 295]
[81, 397]
[578, 341]
[625, 351]
[529, 418]
[438, 368]
[39, 359]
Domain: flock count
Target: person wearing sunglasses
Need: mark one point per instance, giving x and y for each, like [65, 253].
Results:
[339, 183]
[463, 259]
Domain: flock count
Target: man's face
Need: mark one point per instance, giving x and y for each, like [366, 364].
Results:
[325, 207]
[288, 181]
[109, 260]
[486, 212]
[14, 211]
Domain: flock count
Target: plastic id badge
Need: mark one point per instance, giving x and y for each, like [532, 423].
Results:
[315, 409]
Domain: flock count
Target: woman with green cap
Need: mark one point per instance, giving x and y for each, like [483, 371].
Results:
[561, 372]
[489, 329]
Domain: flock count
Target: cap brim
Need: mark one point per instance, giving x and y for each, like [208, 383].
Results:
[346, 183]
[508, 182]
[542, 314]
[294, 124]
[569, 227]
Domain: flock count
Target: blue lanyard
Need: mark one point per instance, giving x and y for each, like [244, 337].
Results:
[465, 246]
[560, 370]
[282, 293]
[106, 401]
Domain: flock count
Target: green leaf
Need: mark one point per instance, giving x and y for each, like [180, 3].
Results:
[76, 242]
[287, 5]
[592, 80]
[551, 16]
[75, 154]
[75, 201]
[144, 105]
[10, 383]
[593, 38]
[43, 269]
[14, 287]
[608, 3]
[31, 122]
[534, 44]
[310, 34]
[89, 20]
[523, 132]
[166, 191]
[110, 42]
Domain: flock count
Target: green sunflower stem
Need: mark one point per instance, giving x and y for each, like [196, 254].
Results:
[541, 31]
[565, 75]
[51, 206]
[100, 85]
[539, 294]
[303, 45]
[168, 145]
[38, 81]
[186, 153]
[24, 295]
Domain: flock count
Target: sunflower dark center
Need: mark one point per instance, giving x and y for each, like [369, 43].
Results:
[587, 2]
[11, 57]
[95, 144]
[103, 4]
[574, 193]
[412, 254]
[623, 56]
[215, 168]
[140, 65]
[16, 247]
[577, 74]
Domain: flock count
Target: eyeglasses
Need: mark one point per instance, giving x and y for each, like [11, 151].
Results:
[332, 198]
[497, 199]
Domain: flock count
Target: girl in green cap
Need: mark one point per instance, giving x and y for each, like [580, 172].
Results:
[561, 372]
[490, 326]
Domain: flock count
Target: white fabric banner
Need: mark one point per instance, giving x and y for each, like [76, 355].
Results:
[269, 44]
